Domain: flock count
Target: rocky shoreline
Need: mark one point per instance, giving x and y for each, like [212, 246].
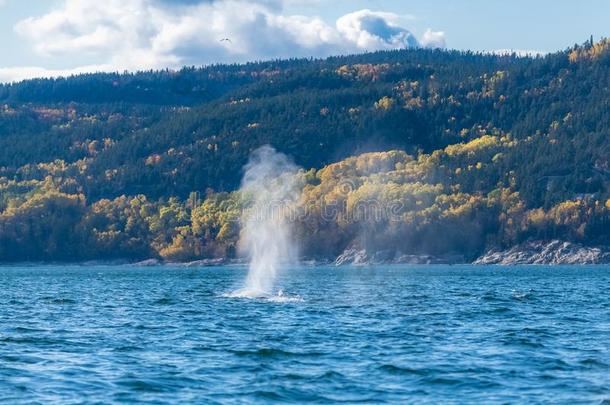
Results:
[553, 252]
[196, 263]
[360, 257]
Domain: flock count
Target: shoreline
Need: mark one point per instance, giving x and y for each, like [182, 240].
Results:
[543, 253]
[356, 266]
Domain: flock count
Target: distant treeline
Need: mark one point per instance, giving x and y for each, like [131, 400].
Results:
[486, 150]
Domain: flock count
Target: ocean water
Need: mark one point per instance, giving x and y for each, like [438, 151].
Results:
[395, 334]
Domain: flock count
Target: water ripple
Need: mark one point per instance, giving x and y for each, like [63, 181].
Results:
[369, 335]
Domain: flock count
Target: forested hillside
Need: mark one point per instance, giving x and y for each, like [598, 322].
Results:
[470, 150]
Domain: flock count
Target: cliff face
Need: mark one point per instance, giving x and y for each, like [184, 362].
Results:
[545, 252]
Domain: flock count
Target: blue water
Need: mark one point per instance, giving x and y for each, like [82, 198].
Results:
[356, 335]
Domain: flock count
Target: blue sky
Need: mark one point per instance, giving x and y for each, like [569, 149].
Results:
[545, 25]
[52, 37]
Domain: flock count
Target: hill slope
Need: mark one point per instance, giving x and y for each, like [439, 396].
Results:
[514, 147]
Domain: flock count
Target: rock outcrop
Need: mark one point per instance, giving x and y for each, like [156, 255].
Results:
[148, 263]
[360, 257]
[206, 263]
[545, 252]
[353, 257]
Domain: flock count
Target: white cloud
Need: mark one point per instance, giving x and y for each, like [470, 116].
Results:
[115, 32]
[369, 30]
[433, 39]
[149, 34]
[14, 74]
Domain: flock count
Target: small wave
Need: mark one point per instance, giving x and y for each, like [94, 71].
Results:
[501, 310]
[593, 363]
[264, 353]
[24, 359]
[244, 293]
[491, 296]
[270, 352]
[280, 297]
[554, 365]
[126, 349]
[59, 301]
[143, 385]
[524, 341]
[37, 341]
[164, 301]
[440, 380]
[522, 295]
[330, 375]
[24, 329]
[397, 370]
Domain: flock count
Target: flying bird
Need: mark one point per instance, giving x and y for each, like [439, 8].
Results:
[226, 40]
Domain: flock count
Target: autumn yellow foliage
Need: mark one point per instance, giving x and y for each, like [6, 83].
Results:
[591, 52]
